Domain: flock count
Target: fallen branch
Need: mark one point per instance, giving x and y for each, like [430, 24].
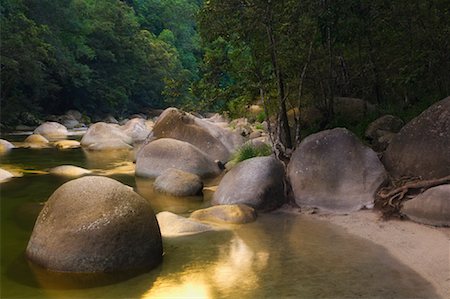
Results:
[390, 199]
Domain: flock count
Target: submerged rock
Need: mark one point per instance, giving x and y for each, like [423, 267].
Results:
[95, 224]
[422, 147]
[334, 171]
[173, 225]
[233, 214]
[256, 182]
[431, 207]
[178, 183]
[159, 155]
[67, 144]
[69, 170]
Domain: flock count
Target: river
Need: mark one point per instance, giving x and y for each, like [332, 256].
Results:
[281, 255]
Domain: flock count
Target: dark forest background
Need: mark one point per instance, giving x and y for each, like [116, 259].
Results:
[120, 57]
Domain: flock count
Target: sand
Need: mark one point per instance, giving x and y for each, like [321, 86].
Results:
[425, 249]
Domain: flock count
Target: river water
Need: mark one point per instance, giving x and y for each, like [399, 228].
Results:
[280, 255]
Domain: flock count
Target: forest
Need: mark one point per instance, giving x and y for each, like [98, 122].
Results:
[120, 57]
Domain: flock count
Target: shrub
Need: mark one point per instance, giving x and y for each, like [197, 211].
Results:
[248, 151]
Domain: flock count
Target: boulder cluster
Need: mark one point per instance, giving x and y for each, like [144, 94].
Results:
[96, 224]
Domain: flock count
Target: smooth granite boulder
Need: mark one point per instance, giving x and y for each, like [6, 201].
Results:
[95, 224]
[332, 170]
[69, 171]
[5, 175]
[178, 183]
[431, 207]
[214, 140]
[103, 136]
[257, 182]
[161, 154]
[51, 130]
[422, 147]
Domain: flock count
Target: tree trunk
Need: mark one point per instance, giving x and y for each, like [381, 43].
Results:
[283, 124]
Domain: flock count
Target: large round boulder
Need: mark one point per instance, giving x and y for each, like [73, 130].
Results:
[51, 130]
[103, 136]
[95, 224]
[178, 183]
[161, 154]
[334, 171]
[422, 147]
[257, 182]
[230, 214]
[431, 207]
[217, 142]
[352, 110]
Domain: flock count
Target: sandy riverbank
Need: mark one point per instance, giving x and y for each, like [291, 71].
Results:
[423, 248]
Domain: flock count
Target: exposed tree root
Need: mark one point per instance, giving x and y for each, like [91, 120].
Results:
[389, 198]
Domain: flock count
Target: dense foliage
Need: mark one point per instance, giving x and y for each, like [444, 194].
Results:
[97, 56]
[294, 53]
[112, 56]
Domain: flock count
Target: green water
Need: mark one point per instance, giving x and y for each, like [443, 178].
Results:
[278, 256]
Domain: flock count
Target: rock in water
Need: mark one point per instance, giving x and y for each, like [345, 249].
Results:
[161, 154]
[5, 146]
[215, 141]
[178, 183]
[51, 130]
[95, 224]
[173, 225]
[5, 175]
[431, 207]
[256, 182]
[422, 147]
[103, 136]
[69, 171]
[37, 141]
[234, 214]
[334, 171]
[136, 129]
[66, 144]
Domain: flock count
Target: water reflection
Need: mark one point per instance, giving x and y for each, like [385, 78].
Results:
[278, 256]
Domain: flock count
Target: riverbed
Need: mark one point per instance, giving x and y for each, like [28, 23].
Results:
[281, 255]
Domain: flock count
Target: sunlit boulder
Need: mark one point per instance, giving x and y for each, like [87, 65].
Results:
[231, 214]
[66, 144]
[36, 141]
[256, 182]
[51, 130]
[215, 141]
[431, 207]
[5, 175]
[5, 146]
[161, 154]
[69, 171]
[173, 225]
[95, 224]
[332, 170]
